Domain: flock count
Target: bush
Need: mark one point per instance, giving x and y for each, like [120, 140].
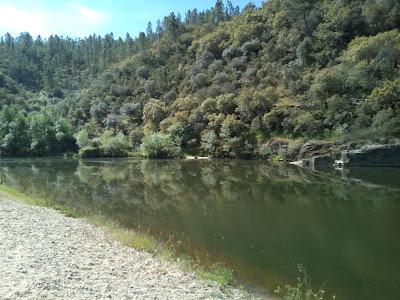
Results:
[114, 145]
[154, 112]
[302, 290]
[159, 145]
[232, 52]
[142, 72]
[206, 59]
[112, 121]
[252, 46]
[90, 152]
[209, 140]
[131, 109]
[135, 138]
[99, 110]
[83, 139]
[151, 88]
[200, 80]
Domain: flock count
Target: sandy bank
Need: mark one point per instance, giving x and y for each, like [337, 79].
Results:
[45, 255]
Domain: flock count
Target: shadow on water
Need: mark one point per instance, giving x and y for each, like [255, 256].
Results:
[259, 219]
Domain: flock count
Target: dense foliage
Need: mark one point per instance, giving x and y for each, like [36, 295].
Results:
[219, 82]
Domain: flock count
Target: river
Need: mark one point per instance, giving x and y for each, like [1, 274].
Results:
[259, 219]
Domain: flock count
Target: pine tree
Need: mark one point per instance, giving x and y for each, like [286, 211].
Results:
[149, 30]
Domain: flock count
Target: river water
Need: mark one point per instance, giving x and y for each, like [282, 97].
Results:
[258, 219]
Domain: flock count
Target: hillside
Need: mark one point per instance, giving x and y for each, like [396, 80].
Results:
[220, 82]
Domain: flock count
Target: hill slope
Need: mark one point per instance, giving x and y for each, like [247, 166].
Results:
[219, 82]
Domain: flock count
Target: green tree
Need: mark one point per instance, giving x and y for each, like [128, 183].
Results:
[159, 145]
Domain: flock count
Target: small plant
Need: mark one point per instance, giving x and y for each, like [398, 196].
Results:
[277, 158]
[218, 273]
[302, 291]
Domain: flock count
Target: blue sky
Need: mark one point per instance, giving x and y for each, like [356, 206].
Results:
[81, 18]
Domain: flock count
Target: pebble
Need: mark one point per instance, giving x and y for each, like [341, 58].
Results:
[45, 255]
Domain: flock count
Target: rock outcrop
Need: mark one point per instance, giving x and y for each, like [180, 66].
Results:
[312, 149]
[321, 160]
[373, 156]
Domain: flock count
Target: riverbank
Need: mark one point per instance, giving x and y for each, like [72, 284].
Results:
[48, 255]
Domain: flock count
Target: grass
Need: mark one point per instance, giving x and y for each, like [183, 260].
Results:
[131, 238]
[141, 241]
[67, 211]
[302, 290]
[218, 273]
[23, 197]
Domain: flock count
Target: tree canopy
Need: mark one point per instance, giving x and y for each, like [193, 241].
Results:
[218, 82]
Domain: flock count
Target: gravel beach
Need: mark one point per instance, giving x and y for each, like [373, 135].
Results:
[45, 255]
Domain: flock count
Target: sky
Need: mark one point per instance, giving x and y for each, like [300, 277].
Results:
[76, 18]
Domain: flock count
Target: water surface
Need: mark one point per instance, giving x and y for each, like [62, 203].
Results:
[261, 220]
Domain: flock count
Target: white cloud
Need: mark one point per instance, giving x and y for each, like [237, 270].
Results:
[14, 20]
[73, 20]
[88, 15]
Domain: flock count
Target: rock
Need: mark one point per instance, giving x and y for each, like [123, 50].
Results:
[339, 164]
[321, 160]
[275, 146]
[287, 149]
[299, 163]
[293, 150]
[311, 149]
[373, 155]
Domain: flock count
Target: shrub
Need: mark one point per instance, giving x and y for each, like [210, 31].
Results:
[238, 63]
[118, 90]
[99, 110]
[302, 290]
[252, 46]
[136, 137]
[151, 88]
[200, 80]
[177, 132]
[206, 58]
[114, 145]
[154, 112]
[142, 72]
[221, 78]
[159, 145]
[232, 52]
[90, 152]
[209, 141]
[112, 121]
[83, 139]
[131, 109]
[218, 273]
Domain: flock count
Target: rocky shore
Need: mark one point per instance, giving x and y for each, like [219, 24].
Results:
[45, 255]
[335, 153]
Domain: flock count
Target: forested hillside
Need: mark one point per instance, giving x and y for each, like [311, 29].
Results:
[219, 82]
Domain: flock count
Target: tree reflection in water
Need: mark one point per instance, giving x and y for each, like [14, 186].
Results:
[259, 219]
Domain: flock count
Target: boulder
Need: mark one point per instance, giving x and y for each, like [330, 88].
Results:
[276, 145]
[321, 160]
[339, 164]
[373, 156]
[311, 149]
[287, 149]
[300, 163]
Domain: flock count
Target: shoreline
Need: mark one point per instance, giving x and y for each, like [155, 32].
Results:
[38, 239]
